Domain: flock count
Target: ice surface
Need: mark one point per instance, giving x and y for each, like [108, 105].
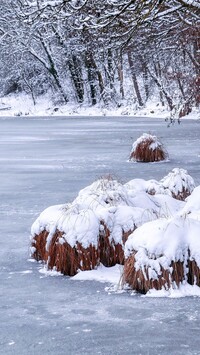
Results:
[40, 314]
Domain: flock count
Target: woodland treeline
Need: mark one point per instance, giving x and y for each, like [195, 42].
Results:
[105, 52]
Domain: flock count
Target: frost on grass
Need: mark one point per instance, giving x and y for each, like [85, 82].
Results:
[95, 226]
[147, 148]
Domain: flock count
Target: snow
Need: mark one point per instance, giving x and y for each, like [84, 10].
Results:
[146, 137]
[46, 314]
[78, 226]
[161, 241]
[101, 274]
[105, 200]
[192, 202]
[81, 227]
[177, 180]
[47, 219]
[104, 192]
[184, 290]
[14, 105]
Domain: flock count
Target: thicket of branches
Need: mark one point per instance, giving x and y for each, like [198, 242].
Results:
[107, 51]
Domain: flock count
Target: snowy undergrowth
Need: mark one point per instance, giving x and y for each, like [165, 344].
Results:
[22, 105]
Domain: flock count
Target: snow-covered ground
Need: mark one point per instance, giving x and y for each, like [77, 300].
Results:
[44, 162]
[22, 105]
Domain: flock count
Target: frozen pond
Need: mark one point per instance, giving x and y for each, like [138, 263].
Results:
[45, 162]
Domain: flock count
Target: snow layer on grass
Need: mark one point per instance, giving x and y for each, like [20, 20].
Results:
[192, 202]
[161, 205]
[48, 219]
[104, 192]
[176, 182]
[77, 225]
[104, 201]
[150, 186]
[147, 137]
[127, 218]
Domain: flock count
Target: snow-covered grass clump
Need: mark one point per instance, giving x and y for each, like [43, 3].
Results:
[139, 224]
[104, 192]
[178, 183]
[163, 254]
[94, 227]
[147, 148]
[66, 238]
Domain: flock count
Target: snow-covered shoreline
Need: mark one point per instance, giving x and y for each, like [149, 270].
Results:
[17, 105]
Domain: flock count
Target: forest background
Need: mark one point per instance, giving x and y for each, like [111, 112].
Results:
[105, 53]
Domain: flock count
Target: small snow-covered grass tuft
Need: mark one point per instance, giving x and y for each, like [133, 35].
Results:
[147, 148]
[178, 183]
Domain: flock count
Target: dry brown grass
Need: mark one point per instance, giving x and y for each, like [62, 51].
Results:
[139, 280]
[68, 260]
[144, 153]
[110, 253]
[182, 195]
[39, 243]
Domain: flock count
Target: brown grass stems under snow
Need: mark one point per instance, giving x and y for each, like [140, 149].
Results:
[139, 280]
[68, 260]
[181, 195]
[61, 256]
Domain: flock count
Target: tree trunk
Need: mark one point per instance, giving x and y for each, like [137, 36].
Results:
[145, 78]
[134, 78]
[91, 77]
[76, 76]
[163, 92]
[52, 69]
[121, 75]
[110, 69]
